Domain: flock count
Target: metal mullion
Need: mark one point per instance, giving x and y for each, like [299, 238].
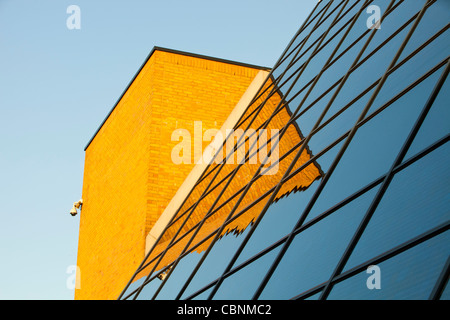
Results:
[325, 44]
[326, 177]
[160, 236]
[172, 240]
[427, 235]
[261, 106]
[258, 95]
[387, 104]
[441, 282]
[339, 205]
[240, 199]
[353, 69]
[231, 153]
[397, 161]
[286, 173]
[301, 29]
[350, 198]
[305, 24]
[276, 89]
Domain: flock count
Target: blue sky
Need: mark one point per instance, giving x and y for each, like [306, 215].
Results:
[56, 87]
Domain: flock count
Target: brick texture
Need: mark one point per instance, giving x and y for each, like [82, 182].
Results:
[129, 176]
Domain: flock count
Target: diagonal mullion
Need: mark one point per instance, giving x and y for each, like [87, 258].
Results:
[205, 254]
[187, 218]
[336, 207]
[381, 191]
[333, 165]
[260, 216]
[441, 282]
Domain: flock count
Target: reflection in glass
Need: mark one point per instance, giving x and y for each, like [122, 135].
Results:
[410, 275]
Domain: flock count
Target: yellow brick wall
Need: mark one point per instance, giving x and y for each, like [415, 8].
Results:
[129, 176]
[298, 182]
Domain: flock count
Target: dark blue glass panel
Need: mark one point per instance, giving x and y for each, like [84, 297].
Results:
[215, 263]
[178, 276]
[133, 286]
[446, 293]
[345, 18]
[149, 290]
[339, 125]
[410, 275]
[308, 118]
[394, 20]
[436, 17]
[436, 124]
[417, 200]
[414, 68]
[243, 284]
[282, 215]
[297, 43]
[334, 72]
[360, 26]
[314, 253]
[374, 147]
[369, 71]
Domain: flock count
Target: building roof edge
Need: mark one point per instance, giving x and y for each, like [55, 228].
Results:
[157, 48]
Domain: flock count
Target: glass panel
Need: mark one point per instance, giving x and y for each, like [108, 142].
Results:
[410, 275]
[369, 71]
[446, 294]
[360, 26]
[215, 263]
[283, 214]
[414, 68]
[436, 17]
[133, 286]
[394, 20]
[308, 118]
[314, 253]
[335, 72]
[297, 43]
[417, 200]
[203, 296]
[344, 121]
[178, 276]
[243, 284]
[149, 290]
[345, 18]
[374, 147]
[318, 60]
[436, 124]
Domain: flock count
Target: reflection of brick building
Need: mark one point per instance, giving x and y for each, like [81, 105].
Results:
[129, 175]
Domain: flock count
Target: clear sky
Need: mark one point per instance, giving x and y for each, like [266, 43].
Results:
[56, 87]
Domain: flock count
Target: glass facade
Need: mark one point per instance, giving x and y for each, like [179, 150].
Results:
[366, 183]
